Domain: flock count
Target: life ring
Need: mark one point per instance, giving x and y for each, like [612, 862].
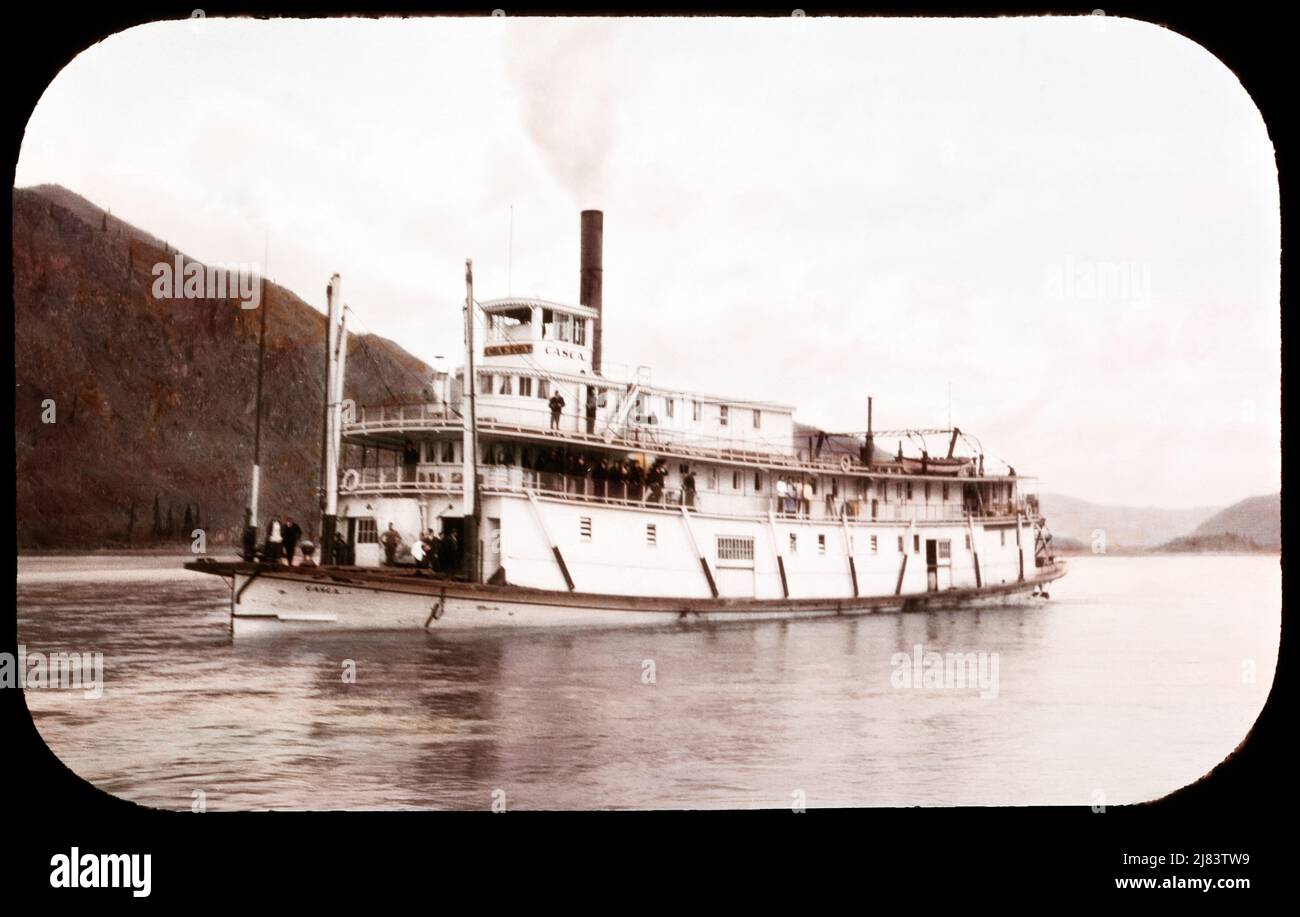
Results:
[846, 463]
[351, 479]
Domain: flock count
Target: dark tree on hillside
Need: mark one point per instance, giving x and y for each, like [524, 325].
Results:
[130, 523]
[171, 521]
[189, 521]
[157, 517]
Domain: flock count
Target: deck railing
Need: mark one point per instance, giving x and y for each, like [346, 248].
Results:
[633, 437]
[444, 480]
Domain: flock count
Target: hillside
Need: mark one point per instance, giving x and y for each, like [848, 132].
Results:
[1219, 543]
[154, 399]
[1133, 527]
[1258, 519]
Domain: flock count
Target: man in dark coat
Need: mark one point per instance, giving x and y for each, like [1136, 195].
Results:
[557, 405]
[292, 534]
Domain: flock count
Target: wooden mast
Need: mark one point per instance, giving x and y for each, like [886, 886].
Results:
[250, 524]
[469, 443]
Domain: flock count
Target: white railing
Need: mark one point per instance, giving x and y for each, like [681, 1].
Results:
[445, 479]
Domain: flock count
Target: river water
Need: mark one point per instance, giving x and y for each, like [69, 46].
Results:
[1136, 678]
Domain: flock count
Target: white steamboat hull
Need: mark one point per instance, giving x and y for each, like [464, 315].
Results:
[268, 601]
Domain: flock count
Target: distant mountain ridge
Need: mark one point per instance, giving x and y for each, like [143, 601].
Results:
[1125, 526]
[153, 399]
[1256, 518]
[1250, 524]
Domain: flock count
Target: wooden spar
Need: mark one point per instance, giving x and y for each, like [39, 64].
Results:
[333, 430]
[469, 442]
[776, 550]
[546, 533]
[974, 549]
[257, 418]
[704, 563]
[1020, 550]
[848, 550]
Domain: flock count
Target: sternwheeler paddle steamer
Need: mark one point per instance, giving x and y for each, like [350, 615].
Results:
[635, 504]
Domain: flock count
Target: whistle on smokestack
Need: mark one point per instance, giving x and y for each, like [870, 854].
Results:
[591, 276]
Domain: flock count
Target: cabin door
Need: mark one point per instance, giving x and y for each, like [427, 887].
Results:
[352, 543]
[931, 565]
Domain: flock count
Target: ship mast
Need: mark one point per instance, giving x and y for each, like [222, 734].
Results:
[250, 524]
[469, 444]
[335, 332]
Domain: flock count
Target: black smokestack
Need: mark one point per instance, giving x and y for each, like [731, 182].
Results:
[589, 290]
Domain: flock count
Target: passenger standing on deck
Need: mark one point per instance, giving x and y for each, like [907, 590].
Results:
[274, 542]
[435, 552]
[806, 506]
[557, 405]
[453, 552]
[342, 550]
[390, 540]
[688, 488]
[410, 458]
[292, 534]
[782, 496]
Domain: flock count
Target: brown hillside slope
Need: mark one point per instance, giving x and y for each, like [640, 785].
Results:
[154, 398]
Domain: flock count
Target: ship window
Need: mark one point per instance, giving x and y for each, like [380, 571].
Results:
[945, 549]
[668, 406]
[580, 331]
[449, 452]
[821, 544]
[525, 385]
[967, 542]
[735, 548]
[735, 480]
[916, 544]
[584, 528]
[794, 543]
[722, 415]
[909, 490]
[874, 545]
[900, 544]
[485, 386]
[758, 419]
[651, 535]
[505, 386]
[695, 410]
[945, 490]
[758, 482]
[367, 532]
[543, 389]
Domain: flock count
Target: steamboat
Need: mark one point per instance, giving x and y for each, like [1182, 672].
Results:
[630, 502]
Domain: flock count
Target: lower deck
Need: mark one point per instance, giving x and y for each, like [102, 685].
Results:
[564, 545]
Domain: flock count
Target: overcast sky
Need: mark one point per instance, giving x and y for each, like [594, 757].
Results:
[1071, 223]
